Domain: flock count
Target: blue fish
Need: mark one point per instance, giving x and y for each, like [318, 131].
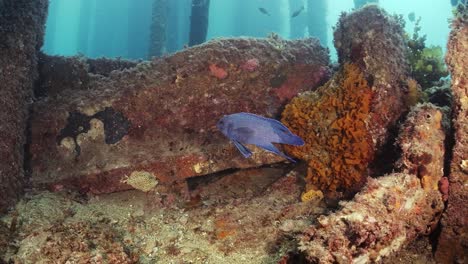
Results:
[246, 128]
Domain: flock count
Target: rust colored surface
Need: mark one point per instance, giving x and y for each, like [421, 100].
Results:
[453, 241]
[21, 35]
[160, 116]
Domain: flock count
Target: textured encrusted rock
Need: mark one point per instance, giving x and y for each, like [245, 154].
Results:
[75, 242]
[385, 216]
[453, 240]
[375, 41]
[159, 117]
[422, 142]
[21, 36]
[391, 211]
[57, 73]
[346, 122]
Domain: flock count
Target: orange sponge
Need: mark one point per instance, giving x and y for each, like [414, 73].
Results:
[332, 122]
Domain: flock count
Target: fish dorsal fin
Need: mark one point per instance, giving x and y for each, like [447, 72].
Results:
[266, 119]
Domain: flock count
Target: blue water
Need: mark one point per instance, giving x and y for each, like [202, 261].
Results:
[121, 28]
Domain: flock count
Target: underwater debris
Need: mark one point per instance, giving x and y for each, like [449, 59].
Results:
[172, 106]
[21, 36]
[452, 247]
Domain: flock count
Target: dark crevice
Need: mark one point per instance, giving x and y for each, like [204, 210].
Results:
[27, 168]
[449, 145]
[434, 237]
[27, 156]
[194, 182]
[296, 258]
[390, 152]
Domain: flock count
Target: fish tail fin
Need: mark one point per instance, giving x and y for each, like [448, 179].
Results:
[291, 139]
[285, 135]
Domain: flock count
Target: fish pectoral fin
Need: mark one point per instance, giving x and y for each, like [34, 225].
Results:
[242, 134]
[243, 149]
[270, 147]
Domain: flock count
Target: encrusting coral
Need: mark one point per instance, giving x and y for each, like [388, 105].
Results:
[332, 122]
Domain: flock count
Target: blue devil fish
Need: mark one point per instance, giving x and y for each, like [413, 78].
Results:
[246, 128]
